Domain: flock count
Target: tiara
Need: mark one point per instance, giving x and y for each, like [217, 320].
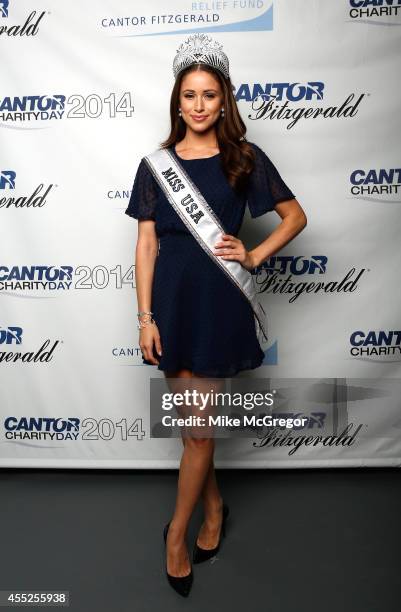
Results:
[201, 49]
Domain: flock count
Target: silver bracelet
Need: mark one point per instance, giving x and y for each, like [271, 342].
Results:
[142, 324]
[143, 312]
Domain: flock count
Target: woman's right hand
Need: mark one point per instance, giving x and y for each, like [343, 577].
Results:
[149, 336]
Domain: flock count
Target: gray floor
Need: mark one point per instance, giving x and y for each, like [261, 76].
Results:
[316, 540]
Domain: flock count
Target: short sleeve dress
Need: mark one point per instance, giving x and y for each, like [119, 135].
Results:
[205, 323]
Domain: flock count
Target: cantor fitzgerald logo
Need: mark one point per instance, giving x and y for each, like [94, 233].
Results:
[52, 107]
[268, 276]
[289, 92]
[376, 184]
[182, 17]
[379, 12]
[30, 27]
[11, 338]
[293, 102]
[376, 345]
[36, 199]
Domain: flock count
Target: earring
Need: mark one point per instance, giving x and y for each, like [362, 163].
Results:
[222, 112]
[179, 112]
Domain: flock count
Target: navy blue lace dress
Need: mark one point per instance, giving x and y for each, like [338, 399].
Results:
[205, 323]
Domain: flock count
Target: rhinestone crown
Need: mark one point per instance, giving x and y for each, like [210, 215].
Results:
[201, 49]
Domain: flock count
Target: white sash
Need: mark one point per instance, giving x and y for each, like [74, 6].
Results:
[204, 224]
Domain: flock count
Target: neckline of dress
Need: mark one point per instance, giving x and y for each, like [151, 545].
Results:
[194, 158]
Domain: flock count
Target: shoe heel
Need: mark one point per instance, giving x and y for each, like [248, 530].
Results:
[165, 530]
[226, 511]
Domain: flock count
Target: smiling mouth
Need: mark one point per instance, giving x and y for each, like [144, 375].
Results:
[199, 118]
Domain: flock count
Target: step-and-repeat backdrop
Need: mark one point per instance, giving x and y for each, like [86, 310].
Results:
[84, 95]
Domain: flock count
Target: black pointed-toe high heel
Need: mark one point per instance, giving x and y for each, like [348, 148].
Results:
[181, 584]
[203, 554]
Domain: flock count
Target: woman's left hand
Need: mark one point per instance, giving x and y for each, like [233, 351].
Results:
[231, 247]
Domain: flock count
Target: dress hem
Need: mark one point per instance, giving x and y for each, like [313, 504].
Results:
[212, 373]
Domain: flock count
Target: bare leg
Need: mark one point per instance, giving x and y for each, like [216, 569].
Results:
[194, 467]
[209, 532]
[213, 509]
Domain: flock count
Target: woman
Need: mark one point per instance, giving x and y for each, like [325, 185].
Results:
[202, 325]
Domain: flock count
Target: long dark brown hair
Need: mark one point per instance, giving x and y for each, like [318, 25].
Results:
[236, 154]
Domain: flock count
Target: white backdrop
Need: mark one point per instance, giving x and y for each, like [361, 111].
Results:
[84, 94]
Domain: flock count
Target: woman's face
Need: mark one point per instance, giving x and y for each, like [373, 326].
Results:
[200, 96]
